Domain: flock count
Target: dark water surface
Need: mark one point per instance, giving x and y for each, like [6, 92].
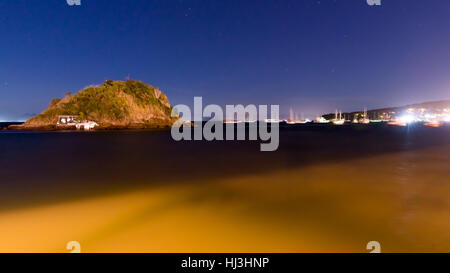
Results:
[344, 184]
[43, 165]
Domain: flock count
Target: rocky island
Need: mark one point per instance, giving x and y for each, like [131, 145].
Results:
[112, 105]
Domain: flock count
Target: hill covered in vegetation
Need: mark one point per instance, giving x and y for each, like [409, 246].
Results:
[114, 104]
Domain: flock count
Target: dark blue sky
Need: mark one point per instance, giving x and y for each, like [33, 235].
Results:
[313, 56]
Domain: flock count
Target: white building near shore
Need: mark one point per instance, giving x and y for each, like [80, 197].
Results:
[70, 120]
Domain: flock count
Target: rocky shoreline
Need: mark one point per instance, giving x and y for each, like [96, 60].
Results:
[103, 127]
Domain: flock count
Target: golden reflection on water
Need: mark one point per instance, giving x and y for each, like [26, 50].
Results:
[399, 199]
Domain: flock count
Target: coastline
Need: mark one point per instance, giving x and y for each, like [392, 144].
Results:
[103, 127]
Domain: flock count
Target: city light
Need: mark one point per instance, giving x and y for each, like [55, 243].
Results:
[407, 118]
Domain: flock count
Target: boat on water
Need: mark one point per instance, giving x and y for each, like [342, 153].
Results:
[232, 121]
[365, 119]
[297, 121]
[338, 121]
[293, 118]
[303, 121]
[321, 120]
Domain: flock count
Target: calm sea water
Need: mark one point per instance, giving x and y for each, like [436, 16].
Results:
[44, 168]
[35, 162]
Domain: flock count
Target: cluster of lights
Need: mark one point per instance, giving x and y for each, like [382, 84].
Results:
[407, 118]
[410, 116]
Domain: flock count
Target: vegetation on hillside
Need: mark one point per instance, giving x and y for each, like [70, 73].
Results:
[113, 102]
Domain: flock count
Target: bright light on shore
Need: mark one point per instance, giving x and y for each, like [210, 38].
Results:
[407, 118]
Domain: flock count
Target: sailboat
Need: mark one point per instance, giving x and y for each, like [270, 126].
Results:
[302, 120]
[321, 120]
[293, 118]
[365, 120]
[338, 121]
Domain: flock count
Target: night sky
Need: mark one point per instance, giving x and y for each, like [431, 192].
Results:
[313, 56]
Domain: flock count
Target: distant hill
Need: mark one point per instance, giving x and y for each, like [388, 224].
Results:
[375, 113]
[429, 105]
[112, 104]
